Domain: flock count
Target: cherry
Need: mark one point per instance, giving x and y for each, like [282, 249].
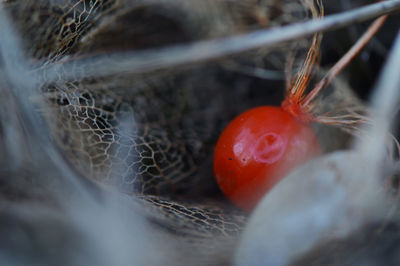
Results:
[257, 149]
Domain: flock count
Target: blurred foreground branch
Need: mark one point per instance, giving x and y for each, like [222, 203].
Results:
[143, 61]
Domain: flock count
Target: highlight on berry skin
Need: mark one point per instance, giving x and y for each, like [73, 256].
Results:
[262, 145]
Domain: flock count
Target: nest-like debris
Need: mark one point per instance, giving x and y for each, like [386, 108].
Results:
[144, 136]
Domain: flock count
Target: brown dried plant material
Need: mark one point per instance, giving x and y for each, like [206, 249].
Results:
[149, 134]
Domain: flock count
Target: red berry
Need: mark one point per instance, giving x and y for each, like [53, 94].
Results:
[257, 149]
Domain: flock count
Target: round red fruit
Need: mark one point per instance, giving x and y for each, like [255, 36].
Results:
[257, 149]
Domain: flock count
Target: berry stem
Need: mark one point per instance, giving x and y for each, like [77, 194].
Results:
[295, 92]
[344, 61]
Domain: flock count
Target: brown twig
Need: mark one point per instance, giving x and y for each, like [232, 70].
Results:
[345, 60]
